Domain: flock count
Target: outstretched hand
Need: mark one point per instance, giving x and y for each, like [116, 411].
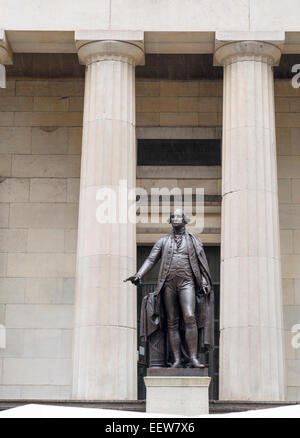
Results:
[134, 280]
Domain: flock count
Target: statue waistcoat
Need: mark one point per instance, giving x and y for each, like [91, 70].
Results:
[180, 263]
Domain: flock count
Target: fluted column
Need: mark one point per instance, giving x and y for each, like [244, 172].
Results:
[251, 345]
[104, 353]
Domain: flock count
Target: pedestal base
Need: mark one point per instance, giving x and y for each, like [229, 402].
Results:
[177, 394]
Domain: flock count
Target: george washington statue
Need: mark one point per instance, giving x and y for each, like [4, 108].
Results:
[177, 318]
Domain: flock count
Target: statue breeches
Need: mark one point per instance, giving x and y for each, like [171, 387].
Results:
[179, 293]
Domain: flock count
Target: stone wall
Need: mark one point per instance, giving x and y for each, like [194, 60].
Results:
[179, 103]
[40, 144]
[175, 104]
[288, 155]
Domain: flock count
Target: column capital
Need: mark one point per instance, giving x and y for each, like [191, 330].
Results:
[98, 45]
[248, 50]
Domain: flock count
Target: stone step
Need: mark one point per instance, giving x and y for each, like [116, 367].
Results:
[215, 406]
[226, 407]
[135, 405]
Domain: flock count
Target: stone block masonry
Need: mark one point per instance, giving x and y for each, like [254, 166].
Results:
[40, 147]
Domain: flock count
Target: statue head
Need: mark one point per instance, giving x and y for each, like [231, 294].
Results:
[178, 218]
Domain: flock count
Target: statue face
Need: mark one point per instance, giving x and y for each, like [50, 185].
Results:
[177, 219]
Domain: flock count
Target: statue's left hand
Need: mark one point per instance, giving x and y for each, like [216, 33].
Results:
[205, 287]
[206, 290]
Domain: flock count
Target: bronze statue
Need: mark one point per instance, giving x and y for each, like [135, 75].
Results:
[177, 319]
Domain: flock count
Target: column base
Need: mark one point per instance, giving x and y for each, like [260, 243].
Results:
[177, 394]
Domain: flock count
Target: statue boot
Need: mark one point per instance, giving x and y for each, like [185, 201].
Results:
[174, 339]
[192, 341]
[195, 362]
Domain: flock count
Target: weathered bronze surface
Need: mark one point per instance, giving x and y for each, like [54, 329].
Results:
[177, 318]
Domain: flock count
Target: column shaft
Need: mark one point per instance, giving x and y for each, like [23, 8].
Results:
[251, 346]
[104, 356]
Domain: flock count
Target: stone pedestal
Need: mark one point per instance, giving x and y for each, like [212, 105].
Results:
[104, 347]
[177, 391]
[251, 345]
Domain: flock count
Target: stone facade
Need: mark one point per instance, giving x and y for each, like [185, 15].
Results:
[288, 156]
[40, 146]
